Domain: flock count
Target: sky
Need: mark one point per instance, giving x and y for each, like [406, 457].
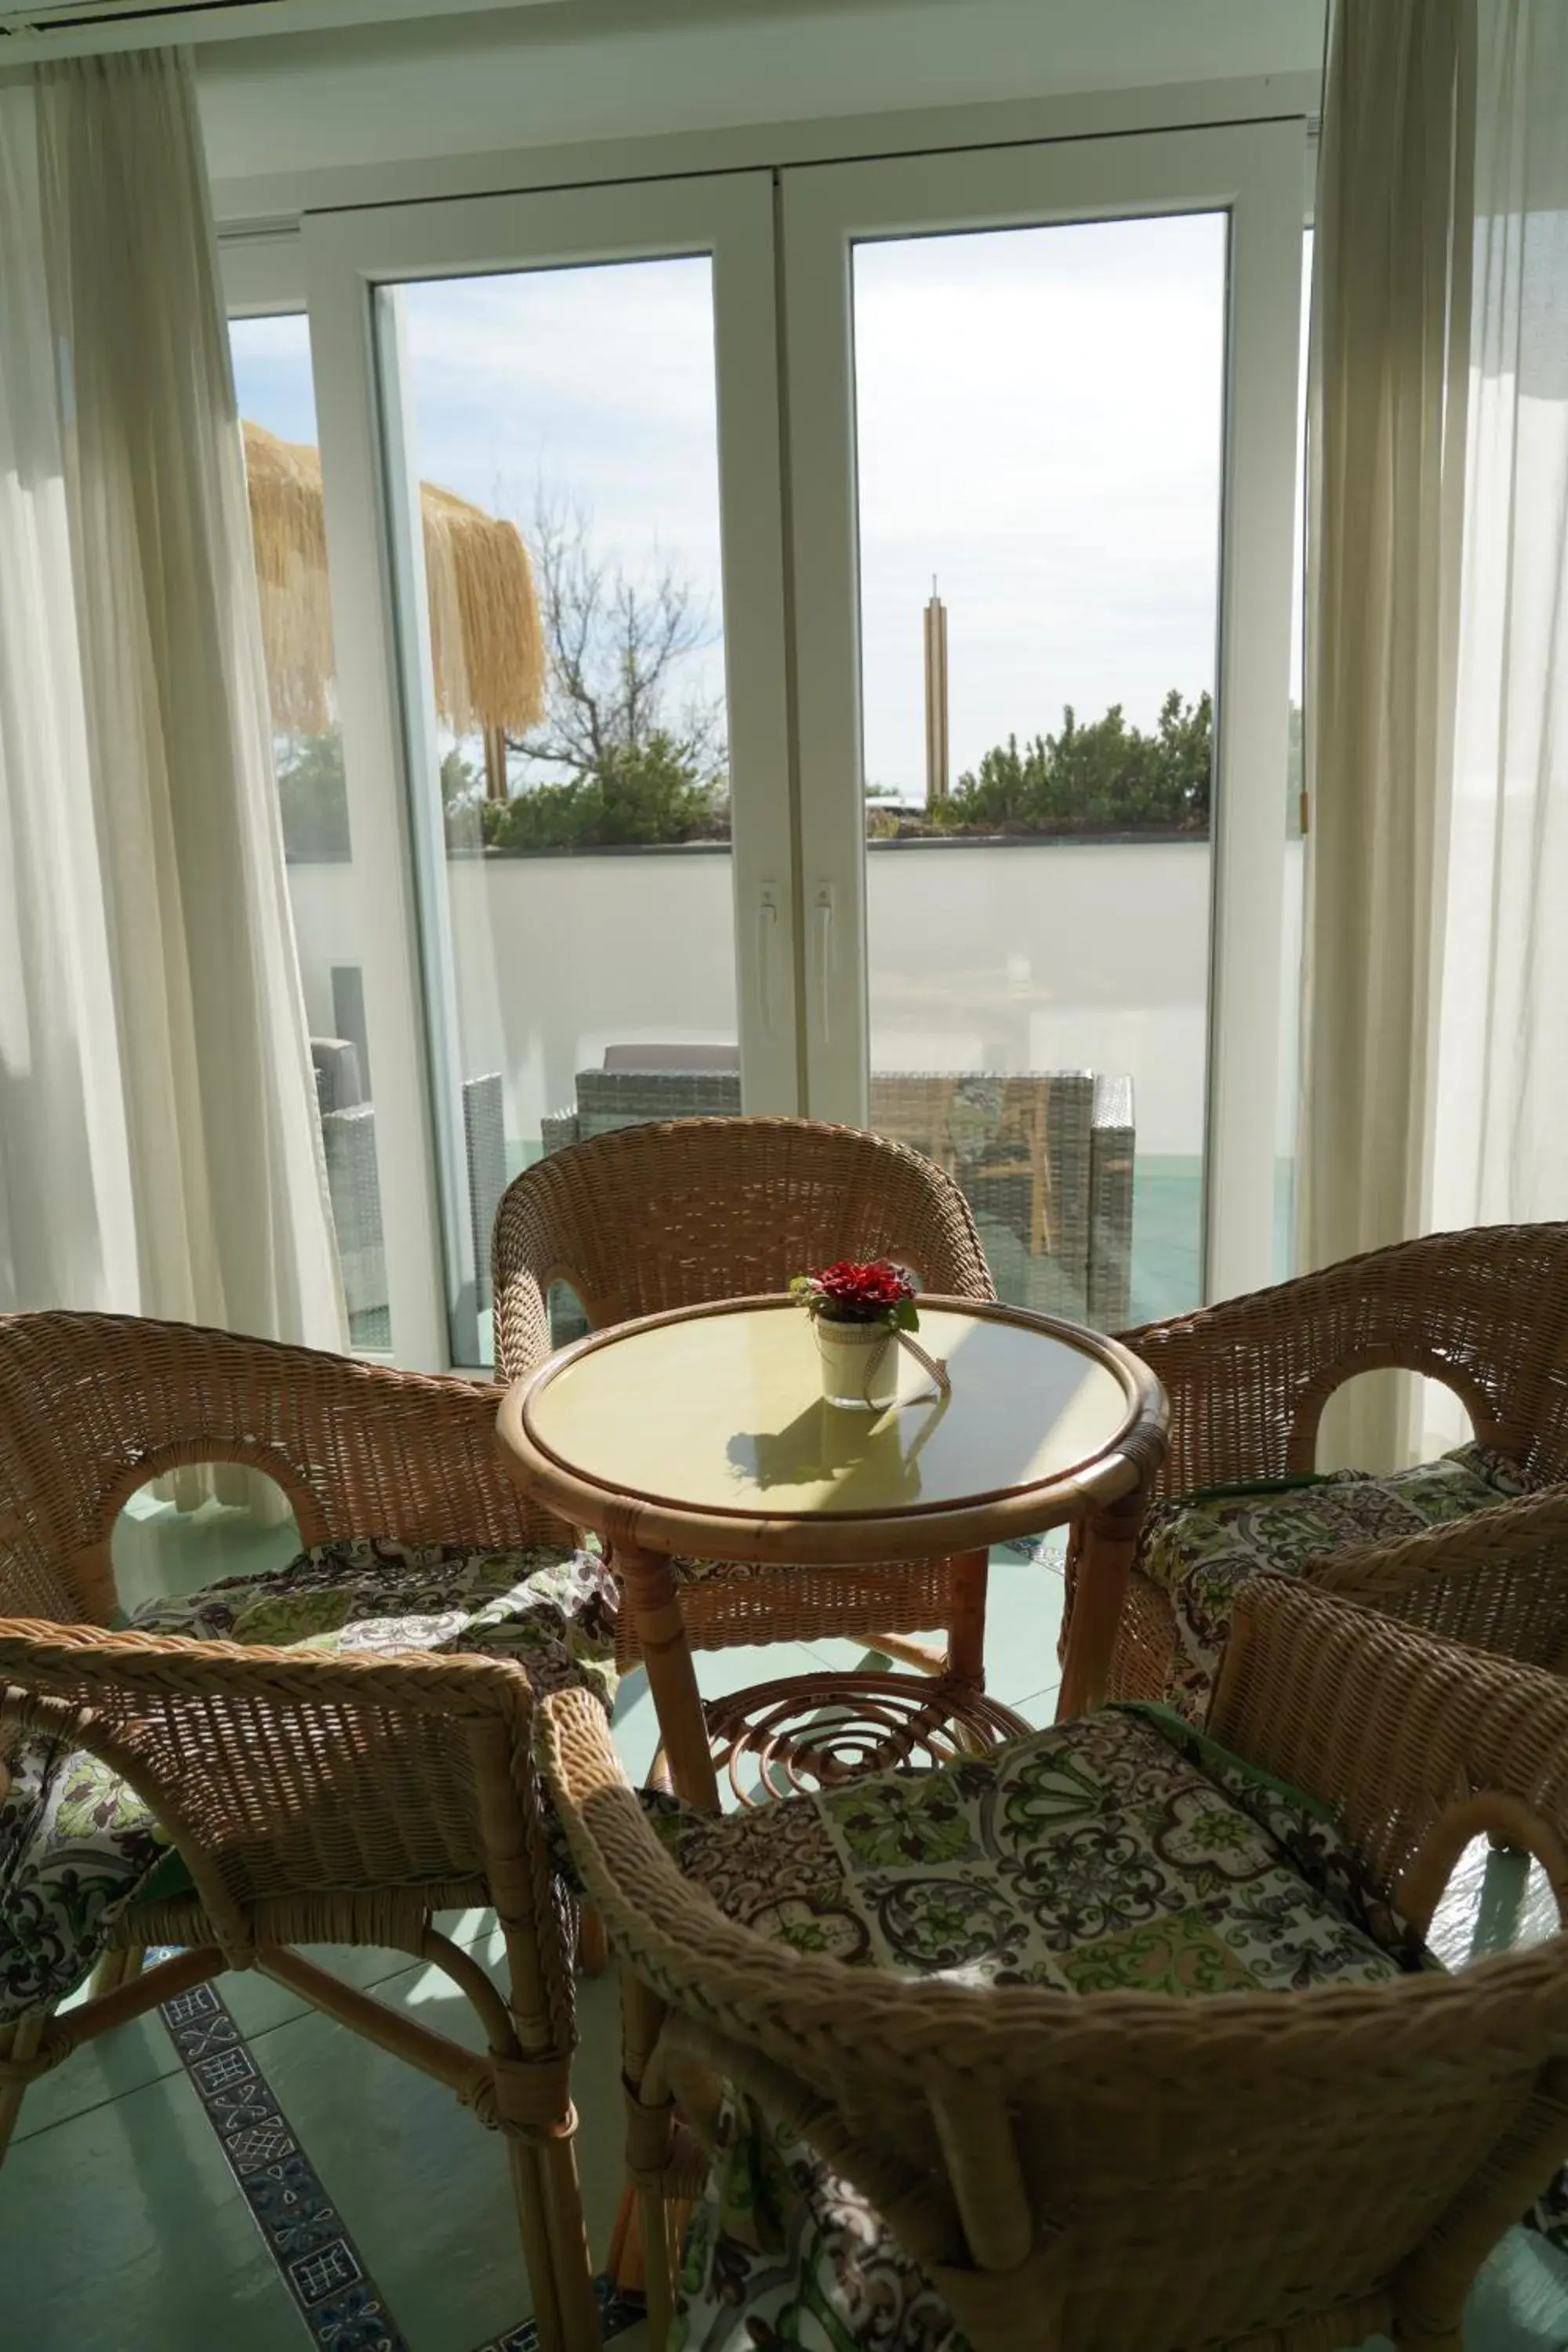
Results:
[1038, 425]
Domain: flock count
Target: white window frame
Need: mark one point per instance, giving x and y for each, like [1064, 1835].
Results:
[349, 256]
[1253, 172]
[261, 269]
[789, 747]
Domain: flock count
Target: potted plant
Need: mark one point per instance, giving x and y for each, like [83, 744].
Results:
[859, 1311]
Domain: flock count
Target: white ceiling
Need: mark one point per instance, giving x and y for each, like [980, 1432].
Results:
[466, 82]
[32, 29]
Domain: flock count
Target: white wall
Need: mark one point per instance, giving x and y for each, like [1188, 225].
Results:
[1052, 957]
[589, 70]
[1061, 956]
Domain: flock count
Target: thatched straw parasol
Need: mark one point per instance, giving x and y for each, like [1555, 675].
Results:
[486, 644]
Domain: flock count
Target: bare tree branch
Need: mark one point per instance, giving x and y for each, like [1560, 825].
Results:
[615, 647]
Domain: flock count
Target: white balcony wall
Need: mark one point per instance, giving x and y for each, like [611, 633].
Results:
[1040, 957]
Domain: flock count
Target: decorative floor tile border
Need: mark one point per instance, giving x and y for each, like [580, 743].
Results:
[343, 2308]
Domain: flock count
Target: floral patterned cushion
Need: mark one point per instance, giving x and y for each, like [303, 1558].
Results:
[689, 1570]
[1125, 1850]
[76, 1846]
[1200, 1548]
[552, 1610]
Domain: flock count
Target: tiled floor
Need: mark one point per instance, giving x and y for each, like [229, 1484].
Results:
[122, 2228]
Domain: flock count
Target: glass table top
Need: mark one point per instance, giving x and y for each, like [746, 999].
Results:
[724, 1411]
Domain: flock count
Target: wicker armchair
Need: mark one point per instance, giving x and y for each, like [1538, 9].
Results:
[311, 1798]
[1483, 1311]
[1128, 2171]
[690, 1210]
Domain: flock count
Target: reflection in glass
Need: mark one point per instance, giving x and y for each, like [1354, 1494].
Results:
[1040, 421]
[576, 883]
[276, 401]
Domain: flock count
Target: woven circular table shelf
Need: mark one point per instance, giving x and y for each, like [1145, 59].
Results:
[809, 1732]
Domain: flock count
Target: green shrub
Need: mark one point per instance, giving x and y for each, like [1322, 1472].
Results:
[1106, 777]
[644, 793]
[312, 799]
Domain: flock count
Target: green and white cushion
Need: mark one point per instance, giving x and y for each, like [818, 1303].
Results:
[1201, 1548]
[76, 1846]
[1122, 1851]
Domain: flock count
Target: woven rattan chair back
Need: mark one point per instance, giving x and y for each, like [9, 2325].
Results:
[683, 1211]
[1484, 1311]
[1128, 2173]
[93, 1406]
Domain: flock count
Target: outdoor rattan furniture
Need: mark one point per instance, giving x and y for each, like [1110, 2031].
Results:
[1043, 1157]
[687, 1211]
[313, 1798]
[702, 1434]
[1080, 2162]
[1483, 1311]
[347, 1118]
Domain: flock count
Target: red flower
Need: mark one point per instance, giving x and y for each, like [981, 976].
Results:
[874, 1292]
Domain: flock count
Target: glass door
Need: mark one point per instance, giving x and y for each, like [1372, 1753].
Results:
[1042, 408]
[271, 357]
[885, 718]
[583, 614]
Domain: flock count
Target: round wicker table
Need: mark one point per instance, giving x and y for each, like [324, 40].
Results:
[704, 1433]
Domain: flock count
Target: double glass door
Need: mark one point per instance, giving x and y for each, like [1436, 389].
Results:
[818, 642]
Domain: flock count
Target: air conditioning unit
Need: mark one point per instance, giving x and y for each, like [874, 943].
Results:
[53, 29]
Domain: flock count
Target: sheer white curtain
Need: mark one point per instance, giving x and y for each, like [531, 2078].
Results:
[1437, 1025]
[1499, 1151]
[1385, 442]
[161, 1153]
[1501, 1143]
[66, 1227]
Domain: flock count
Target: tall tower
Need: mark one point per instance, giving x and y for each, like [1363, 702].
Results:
[936, 697]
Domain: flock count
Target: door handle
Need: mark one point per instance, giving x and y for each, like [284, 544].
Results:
[767, 951]
[822, 933]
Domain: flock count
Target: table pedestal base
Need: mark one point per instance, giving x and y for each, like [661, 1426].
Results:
[822, 1731]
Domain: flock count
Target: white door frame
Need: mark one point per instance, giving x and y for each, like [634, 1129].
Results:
[1255, 172]
[383, 675]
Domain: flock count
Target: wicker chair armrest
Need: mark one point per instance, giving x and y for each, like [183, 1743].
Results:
[623, 1868]
[1525, 1527]
[1230, 1374]
[283, 1772]
[65, 1659]
[1417, 1744]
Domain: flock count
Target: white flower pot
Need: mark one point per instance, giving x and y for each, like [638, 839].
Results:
[860, 1363]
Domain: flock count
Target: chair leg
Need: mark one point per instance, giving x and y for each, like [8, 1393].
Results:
[108, 1974]
[657, 2267]
[650, 2119]
[923, 1656]
[538, 2253]
[118, 1968]
[593, 1944]
[18, 2041]
[554, 2243]
[569, 2237]
[966, 1626]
